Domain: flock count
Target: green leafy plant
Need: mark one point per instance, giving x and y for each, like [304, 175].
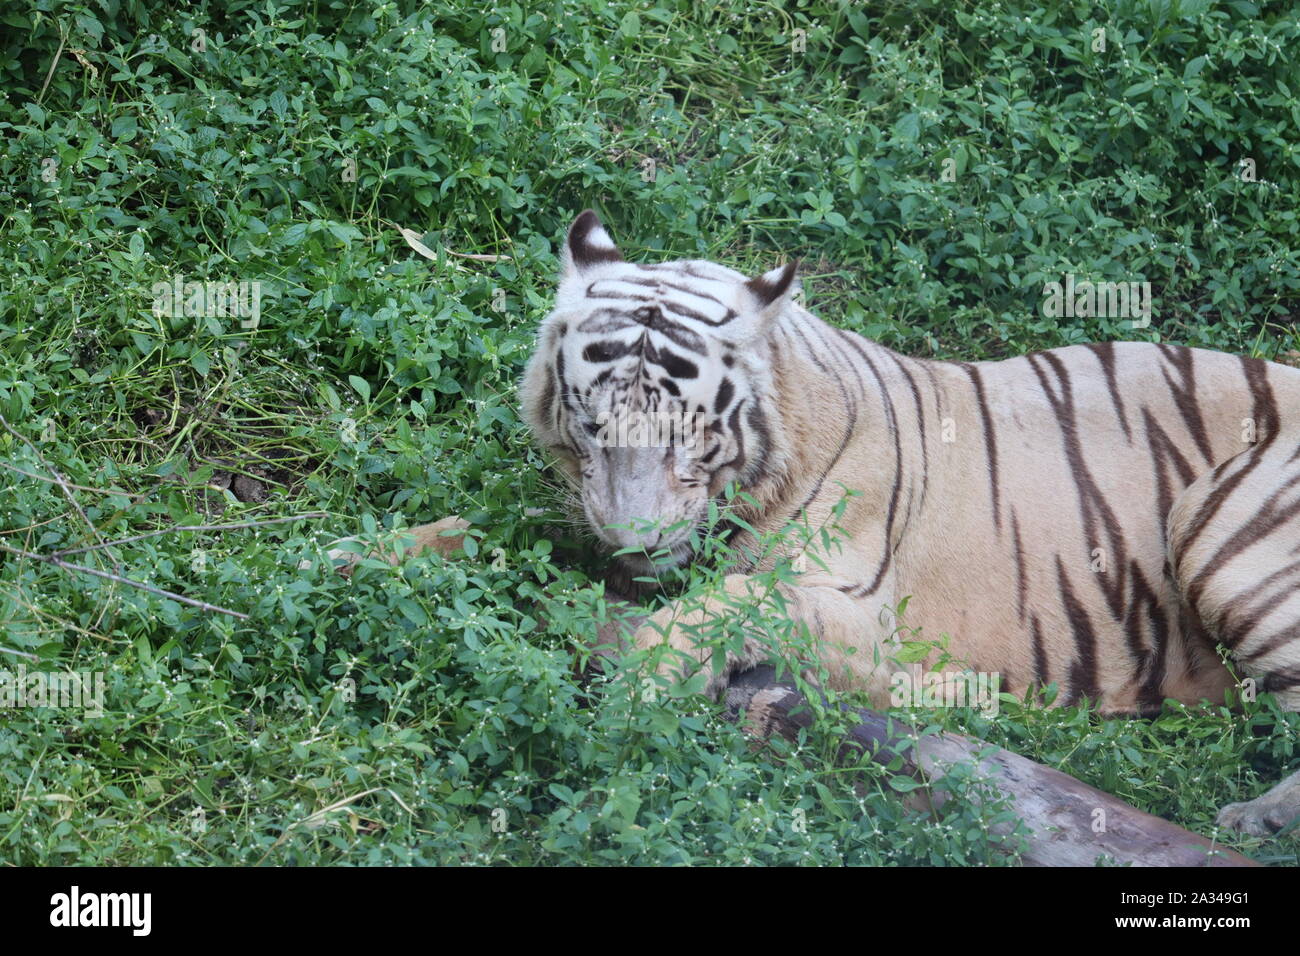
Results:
[432, 713]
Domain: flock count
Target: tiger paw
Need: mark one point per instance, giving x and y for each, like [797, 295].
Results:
[681, 665]
[682, 627]
[440, 536]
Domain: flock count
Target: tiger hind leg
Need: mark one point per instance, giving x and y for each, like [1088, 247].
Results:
[1234, 550]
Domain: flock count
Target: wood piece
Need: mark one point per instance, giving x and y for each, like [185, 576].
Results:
[1062, 814]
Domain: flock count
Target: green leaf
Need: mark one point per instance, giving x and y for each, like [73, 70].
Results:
[413, 612]
[908, 128]
[913, 651]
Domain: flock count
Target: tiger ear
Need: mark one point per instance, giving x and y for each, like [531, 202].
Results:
[771, 292]
[588, 245]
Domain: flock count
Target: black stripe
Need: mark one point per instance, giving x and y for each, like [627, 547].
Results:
[1265, 415]
[990, 440]
[1149, 671]
[1083, 669]
[1042, 676]
[609, 351]
[1094, 510]
[699, 316]
[758, 423]
[674, 365]
[1022, 581]
[1280, 680]
[733, 424]
[548, 387]
[1163, 453]
[669, 305]
[726, 391]
[920, 418]
[850, 424]
[652, 317]
[607, 321]
[665, 284]
[562, 382]
[891, 422]
[1266, 520]
[1185, 396]
[1105, 352]
[1244, 612]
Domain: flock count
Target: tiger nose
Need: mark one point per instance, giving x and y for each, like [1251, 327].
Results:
[631, 537]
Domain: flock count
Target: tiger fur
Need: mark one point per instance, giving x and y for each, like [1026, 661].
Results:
[1097, 516]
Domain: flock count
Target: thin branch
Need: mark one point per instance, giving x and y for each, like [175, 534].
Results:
[318, 818]
[62, 482]
[63, 38]
[16, 596]
[30, 657]
[69, 566]
[190, 527]
[478, 256]
[56, 558]
[54, 481]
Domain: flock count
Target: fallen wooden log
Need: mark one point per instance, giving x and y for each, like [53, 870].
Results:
[1069, 822]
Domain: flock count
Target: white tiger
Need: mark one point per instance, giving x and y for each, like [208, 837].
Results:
[1096, 516]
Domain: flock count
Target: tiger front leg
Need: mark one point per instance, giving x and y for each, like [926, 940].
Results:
[691, 629]
[749, 622]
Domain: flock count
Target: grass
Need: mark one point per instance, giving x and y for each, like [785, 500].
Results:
[432, 714]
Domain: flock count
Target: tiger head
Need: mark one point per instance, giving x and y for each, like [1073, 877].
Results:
[652, 385]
